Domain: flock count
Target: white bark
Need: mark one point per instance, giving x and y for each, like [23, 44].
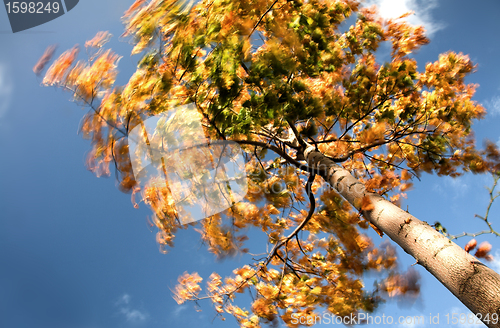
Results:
[473, 283]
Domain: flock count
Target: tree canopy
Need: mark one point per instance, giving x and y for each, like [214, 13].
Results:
[279, 77]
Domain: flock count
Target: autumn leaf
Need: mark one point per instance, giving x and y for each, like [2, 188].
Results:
[99, 40]
[470, 245]
[367, 204]
[377, 230]
[483, 250]
[46, 57]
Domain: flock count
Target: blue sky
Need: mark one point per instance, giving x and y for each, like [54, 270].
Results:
[75, 253]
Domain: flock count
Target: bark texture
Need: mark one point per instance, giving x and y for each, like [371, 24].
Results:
[472, 282]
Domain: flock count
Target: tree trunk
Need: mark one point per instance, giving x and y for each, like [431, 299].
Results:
[473, 283]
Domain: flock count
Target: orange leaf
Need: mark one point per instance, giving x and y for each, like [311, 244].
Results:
[470, 245]
[482, 251]
[366, 204]
[99, 40]
[46, 57]
[377, 230]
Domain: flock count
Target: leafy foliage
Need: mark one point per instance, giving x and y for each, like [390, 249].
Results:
[262, 72]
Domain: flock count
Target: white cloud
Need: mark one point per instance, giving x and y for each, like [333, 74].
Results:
[5, 90]
[421, 9]
[131, 315]
[493, 106]
[179, 309]
[458, 184]
[456, 187]
[495, 264]
[125, 299]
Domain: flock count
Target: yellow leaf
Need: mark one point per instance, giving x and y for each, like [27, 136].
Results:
[316, 290]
